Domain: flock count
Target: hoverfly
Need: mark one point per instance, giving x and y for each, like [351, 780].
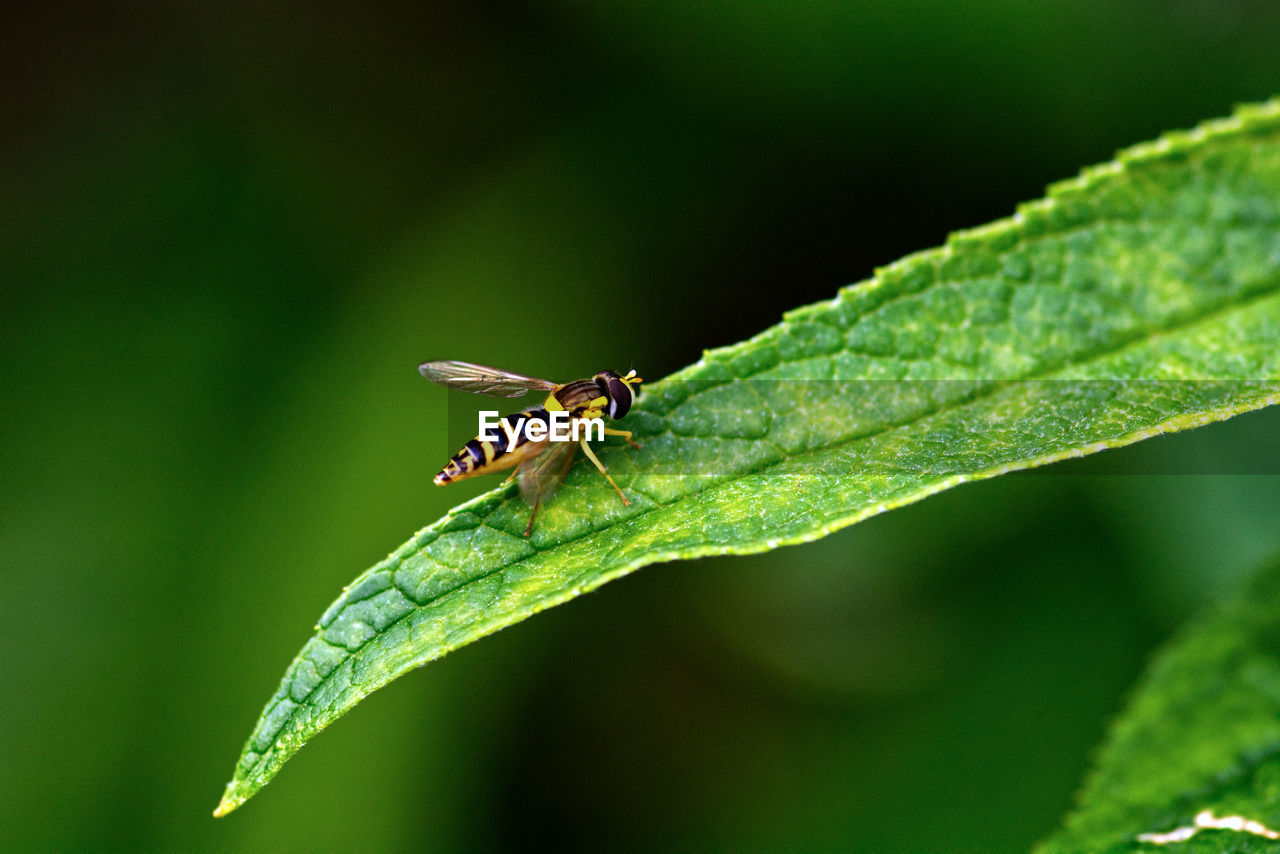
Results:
[540, 464]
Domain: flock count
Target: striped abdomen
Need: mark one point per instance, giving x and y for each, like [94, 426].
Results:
[481, 456]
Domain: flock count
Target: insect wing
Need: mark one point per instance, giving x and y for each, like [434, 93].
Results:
[539, 478]
[479, 379]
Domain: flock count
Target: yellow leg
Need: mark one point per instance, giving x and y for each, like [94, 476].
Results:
[591, 455]
[626, 434]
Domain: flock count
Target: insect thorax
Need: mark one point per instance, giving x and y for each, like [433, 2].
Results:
[580, 398]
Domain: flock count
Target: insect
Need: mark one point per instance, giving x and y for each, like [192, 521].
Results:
[540, 464]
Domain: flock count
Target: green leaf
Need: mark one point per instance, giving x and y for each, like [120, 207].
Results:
[1201, 737]
[1139, 298]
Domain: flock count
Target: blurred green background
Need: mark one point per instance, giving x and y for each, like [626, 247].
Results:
[229, 234]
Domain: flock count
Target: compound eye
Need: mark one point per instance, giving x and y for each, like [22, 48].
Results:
[620, 397]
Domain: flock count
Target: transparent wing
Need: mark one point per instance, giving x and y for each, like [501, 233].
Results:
[540, 477]
[479, 379]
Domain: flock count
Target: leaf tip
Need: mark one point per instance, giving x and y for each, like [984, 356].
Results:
[231, 799]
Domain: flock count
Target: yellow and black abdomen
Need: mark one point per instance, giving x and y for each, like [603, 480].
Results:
[481, 456]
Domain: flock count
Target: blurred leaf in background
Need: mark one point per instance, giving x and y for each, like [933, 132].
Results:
[228, 236]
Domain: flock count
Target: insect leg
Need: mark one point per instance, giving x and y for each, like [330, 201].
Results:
[626, 434]
[539, 477]
[536, 504]
[592, 456]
